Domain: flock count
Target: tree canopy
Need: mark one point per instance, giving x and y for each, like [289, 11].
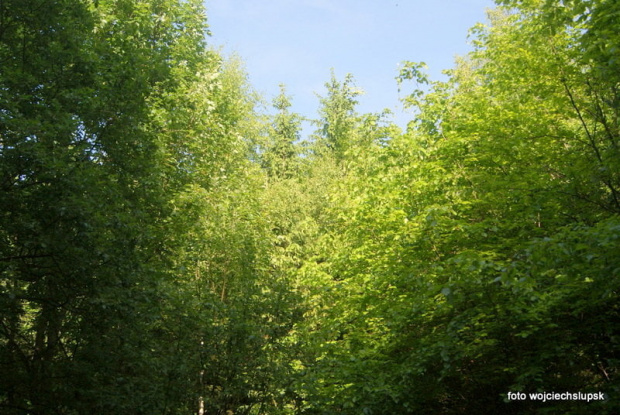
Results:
[167, 247]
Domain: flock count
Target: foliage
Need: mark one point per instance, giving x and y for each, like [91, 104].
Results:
[470, 250]
[119, 129]
[278, 156]
[166, 249]
[337, 116]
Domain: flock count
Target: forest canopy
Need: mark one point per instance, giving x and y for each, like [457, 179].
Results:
[168, 247]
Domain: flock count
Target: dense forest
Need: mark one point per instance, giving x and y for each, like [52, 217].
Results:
[169, 247]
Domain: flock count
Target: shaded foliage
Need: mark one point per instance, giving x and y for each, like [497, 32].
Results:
[165, 249]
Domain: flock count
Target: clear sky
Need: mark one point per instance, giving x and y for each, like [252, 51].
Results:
[297, 42]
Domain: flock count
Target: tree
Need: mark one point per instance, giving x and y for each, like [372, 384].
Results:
[466, 261]
[338, 116]
[98, 141]
[284, 133]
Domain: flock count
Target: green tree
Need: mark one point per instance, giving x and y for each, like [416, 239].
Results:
[338, 118]
[466, 264]
[279, 156]
[98, 141]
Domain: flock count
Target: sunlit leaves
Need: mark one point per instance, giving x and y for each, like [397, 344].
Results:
[437, 231]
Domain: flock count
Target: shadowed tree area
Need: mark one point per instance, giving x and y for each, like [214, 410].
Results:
[165, 248]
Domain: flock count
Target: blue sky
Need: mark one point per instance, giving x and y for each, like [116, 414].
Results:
[297, 42]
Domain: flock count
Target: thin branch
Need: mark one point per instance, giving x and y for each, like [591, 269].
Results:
[582, 120]
[600, 114]
[22, 257]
